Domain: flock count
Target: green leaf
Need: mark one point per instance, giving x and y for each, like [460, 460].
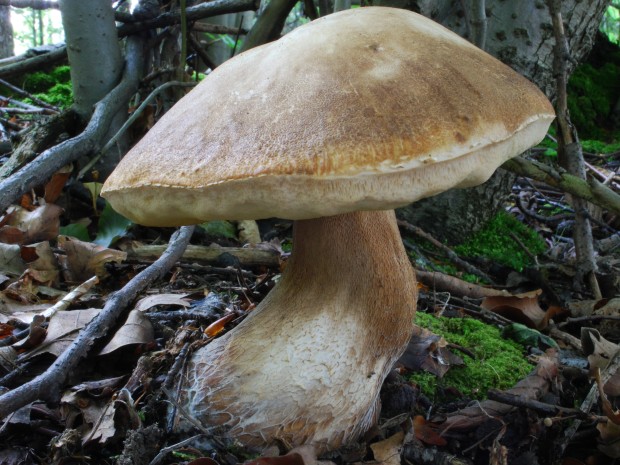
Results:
[551, 152]
[528, 336]
[112, 225]
[94, 188]
[77, 230]
[219, 228]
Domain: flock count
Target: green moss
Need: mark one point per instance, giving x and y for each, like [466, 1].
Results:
[497, 363]
[53, 87]
[494, 242]
[60, 95]
[593, 91]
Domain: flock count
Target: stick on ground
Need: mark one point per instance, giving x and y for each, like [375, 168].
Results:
[48, 385]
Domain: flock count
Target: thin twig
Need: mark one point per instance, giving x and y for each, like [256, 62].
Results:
[47, 386]
[134, 116]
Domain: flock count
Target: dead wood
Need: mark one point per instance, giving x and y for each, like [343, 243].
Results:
[48, 385]
[590, 189]
[441, 282]
[41, 137]
[27, 63]
[244, 256]
[90, 140]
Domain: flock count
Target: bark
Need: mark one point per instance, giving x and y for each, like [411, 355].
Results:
[93, 137]
[269, 24]
[521, 35]
[96, 65]
[6, 32]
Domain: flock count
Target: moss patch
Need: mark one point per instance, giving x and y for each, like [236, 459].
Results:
[495, 242]
[498, 363]
[53, 88]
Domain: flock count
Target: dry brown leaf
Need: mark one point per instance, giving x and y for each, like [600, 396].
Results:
[62, 330]
[35, 337]
[54, 187]
[11, 261]
[609, 441]
[136, 330]
[427, 432]
[599, 352]
[428, 351]
[521, 308]
[23, 311]
[85, 259]
[42, 262]
[171, 300]
[21, 226]
[387, 452]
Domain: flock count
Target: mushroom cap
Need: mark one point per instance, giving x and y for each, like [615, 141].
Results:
[365, 109]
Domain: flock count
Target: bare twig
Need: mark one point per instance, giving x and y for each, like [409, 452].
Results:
[48, 385]
[134, 116]
[88, 141]
[571, 156]
[23, 93]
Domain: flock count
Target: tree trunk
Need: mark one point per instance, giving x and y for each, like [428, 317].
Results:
[6, 33]
[96, 65]
[521, 35]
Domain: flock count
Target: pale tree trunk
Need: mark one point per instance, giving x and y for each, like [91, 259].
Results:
[521, 35]
[96, 65]
[6, 33]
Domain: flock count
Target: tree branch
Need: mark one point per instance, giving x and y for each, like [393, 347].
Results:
[590, 190]
[48, 385]
[88, 141]
[203, 10]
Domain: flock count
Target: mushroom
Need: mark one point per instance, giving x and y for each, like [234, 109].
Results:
[333, 126]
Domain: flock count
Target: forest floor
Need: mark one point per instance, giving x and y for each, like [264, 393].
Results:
[458, 395]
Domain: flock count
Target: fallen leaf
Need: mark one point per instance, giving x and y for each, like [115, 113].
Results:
[599, 352]
[521, 308]
[171, 300]
[11, 261]
[248, 232]
[42, 262]
[35, 336]
[427, 432]
[428, 351]
[26, 227]
[136, 330]
[63, 328]
[84, 259]
[387, 452]
[54, 187]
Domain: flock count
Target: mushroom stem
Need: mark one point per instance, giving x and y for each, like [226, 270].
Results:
[307, 365]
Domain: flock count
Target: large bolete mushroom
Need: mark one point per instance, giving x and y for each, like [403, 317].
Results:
[333, 126]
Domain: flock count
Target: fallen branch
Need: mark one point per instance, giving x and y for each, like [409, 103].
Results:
[245, 256]
[590, 190]
[27, 63]
[442, 282]
[90, 140]
[48, 385]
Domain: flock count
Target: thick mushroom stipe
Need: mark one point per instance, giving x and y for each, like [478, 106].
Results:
[307, 364]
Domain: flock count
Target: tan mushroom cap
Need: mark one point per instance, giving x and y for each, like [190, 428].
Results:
[366, 109]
